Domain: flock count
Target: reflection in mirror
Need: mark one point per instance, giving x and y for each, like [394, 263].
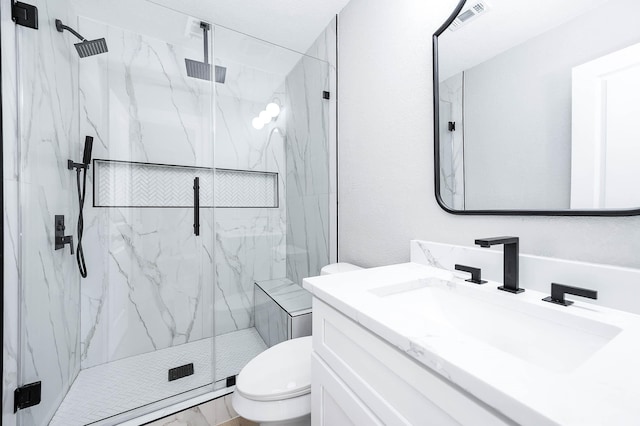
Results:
[538, 107]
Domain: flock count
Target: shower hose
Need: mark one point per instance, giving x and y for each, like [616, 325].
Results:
[81, 194]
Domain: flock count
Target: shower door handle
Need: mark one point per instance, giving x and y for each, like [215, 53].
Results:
[196, 206]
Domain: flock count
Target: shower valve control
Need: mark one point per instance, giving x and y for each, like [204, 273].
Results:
[60, 239]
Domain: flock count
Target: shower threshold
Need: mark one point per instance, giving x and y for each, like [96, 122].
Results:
[110, 389]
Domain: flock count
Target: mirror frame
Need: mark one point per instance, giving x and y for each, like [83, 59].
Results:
[506, 212]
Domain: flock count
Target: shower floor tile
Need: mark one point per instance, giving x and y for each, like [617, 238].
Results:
[110, 389]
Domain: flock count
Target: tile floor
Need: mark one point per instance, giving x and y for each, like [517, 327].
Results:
[109, 389]
[218, 412]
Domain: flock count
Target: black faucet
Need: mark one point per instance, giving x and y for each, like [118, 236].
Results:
[476, 273]
[559, 290]
[510, 263]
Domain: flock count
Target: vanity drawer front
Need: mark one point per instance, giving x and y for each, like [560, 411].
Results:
[394, 387]
[333, 402]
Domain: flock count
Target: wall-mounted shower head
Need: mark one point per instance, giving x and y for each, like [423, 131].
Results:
[202, 70]
[85, 47]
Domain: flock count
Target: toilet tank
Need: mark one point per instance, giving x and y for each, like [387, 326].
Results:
[337, 268]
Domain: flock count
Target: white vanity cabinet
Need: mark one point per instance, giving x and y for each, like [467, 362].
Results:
[359, 379]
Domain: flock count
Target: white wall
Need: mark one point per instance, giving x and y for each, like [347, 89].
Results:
[386, 188]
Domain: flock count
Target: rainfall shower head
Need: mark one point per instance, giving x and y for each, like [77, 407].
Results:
[197, 69]
[91, 47]
[202, 70]
[85, 47]
[221, 74]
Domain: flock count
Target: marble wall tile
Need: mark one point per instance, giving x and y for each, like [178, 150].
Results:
[49, 282]
[140, 101]
[452, 142]
[151, 278]
[148, 288]
[249, 248]
[307, 129]
[291, 297]
[145, 85]
[282, 310]
[208, 273]
[151, 284]
[10, 315]
[10, 320]
[310, 153]
[307, 236]
[270, 319]
[50, 307]
[617, 287]
[9, 94]
[250, 243]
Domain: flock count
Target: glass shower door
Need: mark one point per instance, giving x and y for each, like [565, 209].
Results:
[138, 330]
[272, 176]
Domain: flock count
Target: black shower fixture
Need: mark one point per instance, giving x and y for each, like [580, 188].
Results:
[85, 47]
[221, 74]
[202, 70]
[82, 192]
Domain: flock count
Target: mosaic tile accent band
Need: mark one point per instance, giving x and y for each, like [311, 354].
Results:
[127, 184]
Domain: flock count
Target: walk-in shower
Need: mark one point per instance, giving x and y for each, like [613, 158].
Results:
[164, 313]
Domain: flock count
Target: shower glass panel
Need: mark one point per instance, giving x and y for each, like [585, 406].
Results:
[288, 241]
[106, 344]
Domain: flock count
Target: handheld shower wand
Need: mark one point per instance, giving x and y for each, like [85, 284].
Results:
[82, 192]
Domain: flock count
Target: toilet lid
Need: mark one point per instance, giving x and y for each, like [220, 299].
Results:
[281, 372]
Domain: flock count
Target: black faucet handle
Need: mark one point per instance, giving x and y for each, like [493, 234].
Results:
[60, 240]
[476, 273]
[559, 290]
[70, 242]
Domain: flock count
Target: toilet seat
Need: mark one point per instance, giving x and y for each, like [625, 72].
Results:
[275, 387]
[281, 372]
[272, 412]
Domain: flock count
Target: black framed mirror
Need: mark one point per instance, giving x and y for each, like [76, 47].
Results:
[536, 108]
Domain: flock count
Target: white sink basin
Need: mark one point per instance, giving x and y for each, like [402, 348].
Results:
[546, 336]
[535, 362]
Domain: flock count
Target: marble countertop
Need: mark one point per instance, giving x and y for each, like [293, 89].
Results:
[603, 388]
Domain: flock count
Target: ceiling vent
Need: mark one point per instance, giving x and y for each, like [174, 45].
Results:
[468, 14]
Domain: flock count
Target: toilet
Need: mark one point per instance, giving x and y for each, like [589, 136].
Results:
[274, 388]
[337, 268]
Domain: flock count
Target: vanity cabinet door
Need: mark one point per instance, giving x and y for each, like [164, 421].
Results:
[333, 402]
[392, 386]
